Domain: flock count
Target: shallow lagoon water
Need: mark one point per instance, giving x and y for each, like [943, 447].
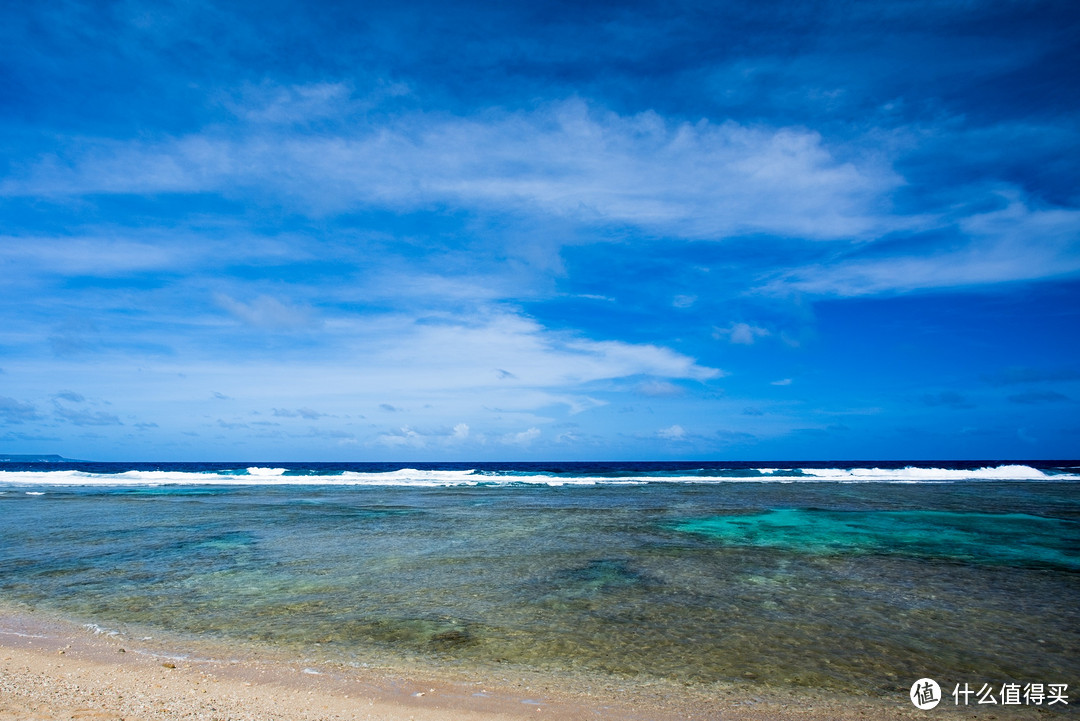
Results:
[853, 587]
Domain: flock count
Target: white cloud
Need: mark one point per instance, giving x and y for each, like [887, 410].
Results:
[103, 251]
[672, 433]
[782, 382]
[658, 388]
[92, 255]
[440, 437]
[523, 438]
[267, 312]
[404, 437]
[288, 104]
[274, 104]
[531, 356]
[1016, 242]
[741, 333]
[700, 180]
[441, 378]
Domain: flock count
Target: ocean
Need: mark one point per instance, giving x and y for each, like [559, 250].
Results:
[853, 577]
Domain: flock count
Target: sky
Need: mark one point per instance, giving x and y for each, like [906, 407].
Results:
[334, 231]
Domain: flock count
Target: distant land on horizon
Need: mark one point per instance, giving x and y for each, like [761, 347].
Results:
[36, 458]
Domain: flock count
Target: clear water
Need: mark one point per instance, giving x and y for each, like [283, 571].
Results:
[1004, 539]
[856, 587]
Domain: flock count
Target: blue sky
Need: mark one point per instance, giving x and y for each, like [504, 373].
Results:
[432, 231]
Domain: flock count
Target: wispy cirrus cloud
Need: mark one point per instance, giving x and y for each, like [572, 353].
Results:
[82, 255]
[1016, 242]
[569, 159]
[268, 312]
[273, 104]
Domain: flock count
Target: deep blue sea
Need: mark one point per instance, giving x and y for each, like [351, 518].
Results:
[853, 576]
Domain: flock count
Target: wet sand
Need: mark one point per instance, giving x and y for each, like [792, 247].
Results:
[52, 669]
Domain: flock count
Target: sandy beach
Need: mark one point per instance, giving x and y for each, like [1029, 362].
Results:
[52, 669]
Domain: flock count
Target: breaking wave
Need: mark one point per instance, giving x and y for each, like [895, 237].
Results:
[594, 475]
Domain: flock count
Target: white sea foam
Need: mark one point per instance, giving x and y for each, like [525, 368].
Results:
[913, 474]
[257, 471]
[98, 630]
[166, 656]
[258, 476]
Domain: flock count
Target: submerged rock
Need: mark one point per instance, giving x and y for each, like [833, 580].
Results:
[452, 638]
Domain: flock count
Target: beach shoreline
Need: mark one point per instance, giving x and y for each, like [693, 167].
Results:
[51, 668]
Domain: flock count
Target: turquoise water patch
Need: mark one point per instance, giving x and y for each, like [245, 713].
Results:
[1011, 539]
[230, 541]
